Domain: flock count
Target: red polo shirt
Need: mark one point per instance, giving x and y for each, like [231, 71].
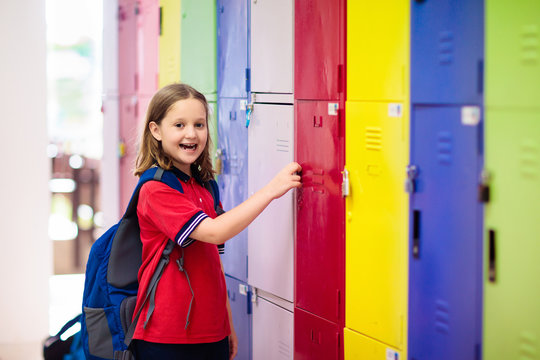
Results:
[165, 213]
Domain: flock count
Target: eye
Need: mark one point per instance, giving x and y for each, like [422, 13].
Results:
[179, 125]
[199, 125]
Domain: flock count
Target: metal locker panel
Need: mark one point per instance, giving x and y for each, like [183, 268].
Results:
[511, 247]
[232, 180]
[376, 272]
[110, 164]
[110, 48]
[169, 42]
[447, 51]
[127, 47]
[513, 53]
[378, 50]
[271, 235]
[271, 42]
[445, 274]
[240, 301]
[320, 150]
[316, 338]
[358, 346]
[232, 48]
[147, 46]
[273, 331]
[129, 137]
[319, 49]
[198, 45]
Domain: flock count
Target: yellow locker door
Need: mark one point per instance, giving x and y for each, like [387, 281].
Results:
[360, 347]
[377, 152]
[377, 50]
[169, 42]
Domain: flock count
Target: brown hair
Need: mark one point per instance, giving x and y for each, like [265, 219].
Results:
[150, 150]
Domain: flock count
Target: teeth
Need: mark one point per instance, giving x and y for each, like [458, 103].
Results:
[189, 147]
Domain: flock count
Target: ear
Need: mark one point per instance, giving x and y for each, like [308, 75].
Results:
[155, 130]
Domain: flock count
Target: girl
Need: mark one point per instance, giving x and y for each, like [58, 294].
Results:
[176, 138]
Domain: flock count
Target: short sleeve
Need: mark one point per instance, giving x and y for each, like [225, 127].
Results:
[169, 212]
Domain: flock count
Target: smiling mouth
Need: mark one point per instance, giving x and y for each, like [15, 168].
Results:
[188, 146]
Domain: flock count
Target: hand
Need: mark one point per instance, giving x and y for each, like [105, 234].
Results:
[286, 179]
[233, 345]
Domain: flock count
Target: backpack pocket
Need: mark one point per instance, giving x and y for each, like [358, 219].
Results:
[100, 339]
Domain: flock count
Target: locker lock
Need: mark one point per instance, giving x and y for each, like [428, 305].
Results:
[412, 174]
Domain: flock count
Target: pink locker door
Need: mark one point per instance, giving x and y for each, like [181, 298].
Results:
[319, 49]
[127, 47]
[127, 148]
[320, 230]
[147, 47]
[316, 338]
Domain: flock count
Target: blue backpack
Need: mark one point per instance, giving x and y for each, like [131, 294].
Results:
[110, 288]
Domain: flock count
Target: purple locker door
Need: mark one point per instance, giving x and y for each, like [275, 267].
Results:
[319, 48]
[316, 338]
[147, 46]
[320, 230]
[127, 50]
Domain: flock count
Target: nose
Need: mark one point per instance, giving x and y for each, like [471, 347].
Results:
[190, 131]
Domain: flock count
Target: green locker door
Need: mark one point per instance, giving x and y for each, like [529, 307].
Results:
[198, 45]
[513, 53]
[512, 245]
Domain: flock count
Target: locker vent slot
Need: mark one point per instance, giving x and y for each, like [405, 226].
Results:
[444, 147]
[446, 47]
[374, 138]
[528, 160]
[442, 316]
[284, 349]
[530, 44]
[282, 145]
[528, 346]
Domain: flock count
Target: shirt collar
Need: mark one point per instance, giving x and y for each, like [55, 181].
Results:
[185, 177]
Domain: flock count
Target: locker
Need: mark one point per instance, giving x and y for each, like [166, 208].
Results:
[377, 50]
[319, 49]
[447, 51]
[240, 301]
[147, 46]
[273, 331]
[129, 137]
[316, 338]
[127, 47]
[169, 42]
[110, 166]
[110, 48]
[198, 45]
[233, 145]
[232, 48]
[445, 243]
[512, 54]
[362, 347]
[271, 235]
[376, 221]
[511, 247]
[271, 42]
[320, 150]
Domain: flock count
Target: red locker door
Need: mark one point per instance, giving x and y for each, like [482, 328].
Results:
[316, 338]
[320, 236]
[127, 47]
[319, 49]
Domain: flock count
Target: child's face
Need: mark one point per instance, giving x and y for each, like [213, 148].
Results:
[183, 132]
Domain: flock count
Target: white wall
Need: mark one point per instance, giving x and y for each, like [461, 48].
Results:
[25, 249]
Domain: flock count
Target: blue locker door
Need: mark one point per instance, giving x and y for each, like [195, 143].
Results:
[232, 47]
[446, 243]
[240, 300]
[447, 50]
[233, 143]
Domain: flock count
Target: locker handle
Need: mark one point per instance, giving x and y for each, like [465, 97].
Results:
[416, 234]
[492, 256]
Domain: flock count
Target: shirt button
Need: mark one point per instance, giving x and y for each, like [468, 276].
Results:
[200, 199]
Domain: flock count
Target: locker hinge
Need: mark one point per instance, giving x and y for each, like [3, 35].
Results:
[480, 80]
[248, 80]
[483, 187]
[254, 295]
[412, 174]
[160, 20]
[345, 185]
[341, 78]
[218, 161]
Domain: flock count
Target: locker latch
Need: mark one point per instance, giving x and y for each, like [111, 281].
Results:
[218, 161]
[345, 185]
[412, 174]
[483, 187]
[249, 109]
[254, 295]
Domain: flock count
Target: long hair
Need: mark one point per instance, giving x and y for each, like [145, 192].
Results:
[151, 151]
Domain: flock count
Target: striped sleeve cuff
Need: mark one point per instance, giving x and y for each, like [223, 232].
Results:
[221, 249]
[182, 238]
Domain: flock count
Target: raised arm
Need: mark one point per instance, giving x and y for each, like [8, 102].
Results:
[224, 227]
